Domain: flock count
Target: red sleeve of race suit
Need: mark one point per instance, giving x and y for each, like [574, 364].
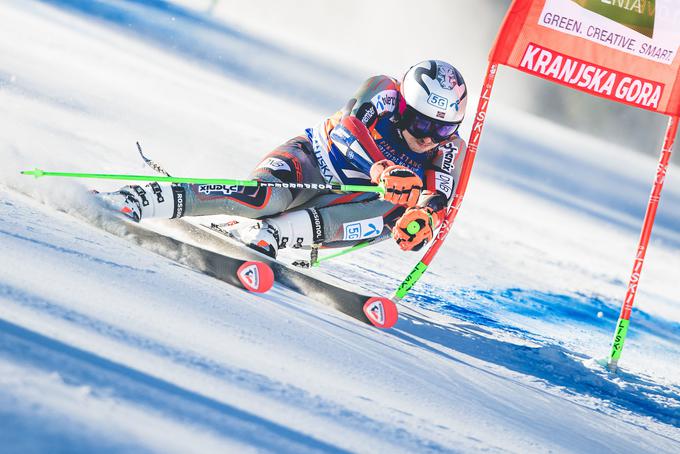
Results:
[363, 136]
[375, 98]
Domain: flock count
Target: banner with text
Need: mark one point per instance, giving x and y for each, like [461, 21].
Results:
[623, 50]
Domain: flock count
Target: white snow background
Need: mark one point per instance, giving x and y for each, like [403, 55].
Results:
[105, 347]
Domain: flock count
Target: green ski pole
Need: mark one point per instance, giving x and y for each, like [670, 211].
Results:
[356, 247]
[38, 173]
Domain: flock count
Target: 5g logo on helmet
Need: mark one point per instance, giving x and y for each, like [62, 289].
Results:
[438, 101]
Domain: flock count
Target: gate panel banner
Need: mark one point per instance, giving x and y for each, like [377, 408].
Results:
[623, 50]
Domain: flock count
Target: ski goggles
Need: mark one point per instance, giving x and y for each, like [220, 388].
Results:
[421, 126]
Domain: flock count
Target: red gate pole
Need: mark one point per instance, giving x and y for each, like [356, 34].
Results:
[626, 308]
[475, 135]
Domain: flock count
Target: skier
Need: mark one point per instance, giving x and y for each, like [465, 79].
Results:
[401, 135]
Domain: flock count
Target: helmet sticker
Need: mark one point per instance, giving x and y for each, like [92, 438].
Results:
[459, 90]
[438, 101]
[420, 72]
[446, 76]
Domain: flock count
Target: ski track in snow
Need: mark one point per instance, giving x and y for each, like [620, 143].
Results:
[100, 376]
[78, 367]
[492, 310]
[105, 347]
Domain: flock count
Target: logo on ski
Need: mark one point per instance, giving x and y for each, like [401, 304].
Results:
[381, 312]
[256, 277]
[250, 276]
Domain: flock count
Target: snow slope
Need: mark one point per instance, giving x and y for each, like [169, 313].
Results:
[107, 347]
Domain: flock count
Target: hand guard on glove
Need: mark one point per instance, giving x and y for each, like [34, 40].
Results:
[415, 228]
[402, 185]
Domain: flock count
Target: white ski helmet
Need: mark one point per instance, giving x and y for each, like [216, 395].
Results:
[432, 90]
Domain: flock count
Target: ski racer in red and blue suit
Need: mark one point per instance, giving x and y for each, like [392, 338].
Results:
[402, 135]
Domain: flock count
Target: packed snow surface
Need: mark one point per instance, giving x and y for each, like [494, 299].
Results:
[107, 347]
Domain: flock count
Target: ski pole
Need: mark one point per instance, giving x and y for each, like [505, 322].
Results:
[38, 173]
[420, 268]
[356, 247]
[315, 260]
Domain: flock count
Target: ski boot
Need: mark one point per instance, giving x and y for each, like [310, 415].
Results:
[154, 200]
[296, 229]
[262, 237]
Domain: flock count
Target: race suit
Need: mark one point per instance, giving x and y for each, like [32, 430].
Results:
[340, 149]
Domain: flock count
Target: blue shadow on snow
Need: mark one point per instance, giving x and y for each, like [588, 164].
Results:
[550, 362]
[243, 379]
[572, 308]
[79, 367]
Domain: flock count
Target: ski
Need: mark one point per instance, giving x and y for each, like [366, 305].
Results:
[214, 252]
[378, 311]
[249, 274]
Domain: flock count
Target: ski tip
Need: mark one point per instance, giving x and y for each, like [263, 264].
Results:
[256, 277]
[381, 312]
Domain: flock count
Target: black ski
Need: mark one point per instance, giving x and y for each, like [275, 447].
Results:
[251, 274]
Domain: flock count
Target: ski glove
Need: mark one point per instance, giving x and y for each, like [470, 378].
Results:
[402, 185]
[415, 228]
